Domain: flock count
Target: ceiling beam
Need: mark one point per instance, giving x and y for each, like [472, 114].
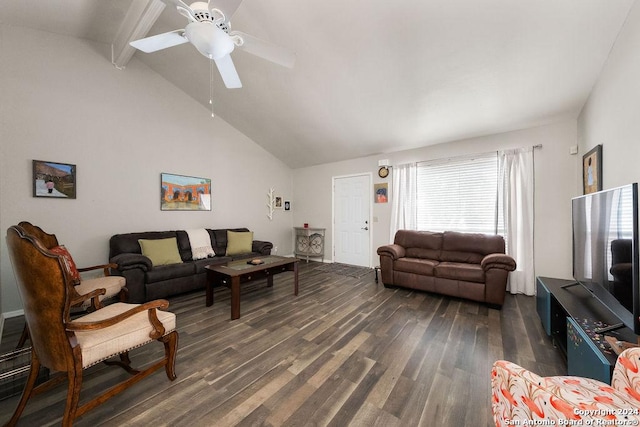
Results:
[140, 17]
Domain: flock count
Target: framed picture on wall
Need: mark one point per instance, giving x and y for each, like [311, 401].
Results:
[381, 192]
[278, 202]
[184, 193]
[592, 170]
[54, 180]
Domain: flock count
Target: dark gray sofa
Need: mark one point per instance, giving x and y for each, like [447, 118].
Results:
[146, 282]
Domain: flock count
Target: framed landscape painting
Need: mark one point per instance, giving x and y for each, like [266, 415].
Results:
[54, 180]
[592, 170]
[184, 193]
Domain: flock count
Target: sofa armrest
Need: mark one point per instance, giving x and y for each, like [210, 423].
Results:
[129, 261]
[264, 248]
[626, 375]
[394, 251]
[502, 261]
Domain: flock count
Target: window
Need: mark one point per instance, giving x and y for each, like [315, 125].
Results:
[459, 194]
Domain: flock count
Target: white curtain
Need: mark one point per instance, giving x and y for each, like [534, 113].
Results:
[516, 167]
[403, 198]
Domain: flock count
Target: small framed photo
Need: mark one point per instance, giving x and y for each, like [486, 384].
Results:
[54, 180]
[278, 202]
[592, 170]
[287, 205]
[381, 192]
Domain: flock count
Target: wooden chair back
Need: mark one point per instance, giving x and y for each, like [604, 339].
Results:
[43, 284]
[48, 240]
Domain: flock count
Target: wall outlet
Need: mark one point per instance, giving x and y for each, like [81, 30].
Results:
[275, 250]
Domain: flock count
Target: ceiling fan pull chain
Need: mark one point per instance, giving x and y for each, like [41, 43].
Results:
[211, 85]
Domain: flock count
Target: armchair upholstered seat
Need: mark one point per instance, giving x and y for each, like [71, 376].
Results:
[132, 332]
[520, 397]
[66, 346]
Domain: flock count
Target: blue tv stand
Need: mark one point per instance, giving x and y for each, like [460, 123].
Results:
[571, 316]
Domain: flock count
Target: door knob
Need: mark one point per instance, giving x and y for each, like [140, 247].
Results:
[365, 228]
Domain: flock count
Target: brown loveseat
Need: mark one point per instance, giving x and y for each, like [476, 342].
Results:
[466, 265]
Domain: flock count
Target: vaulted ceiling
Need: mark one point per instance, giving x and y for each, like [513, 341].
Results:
[374, 76]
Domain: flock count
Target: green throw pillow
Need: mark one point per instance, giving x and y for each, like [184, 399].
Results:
[239, 242]
[161, 251]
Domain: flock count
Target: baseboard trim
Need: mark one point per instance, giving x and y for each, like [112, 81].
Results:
[10, 314]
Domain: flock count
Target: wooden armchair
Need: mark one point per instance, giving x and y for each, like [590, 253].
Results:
[86, 292]
[68, 346]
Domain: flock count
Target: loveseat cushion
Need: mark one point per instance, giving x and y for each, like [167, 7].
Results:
[172, 271]
[420, 244]
[469, 247]
[460, 271]
[419, 266]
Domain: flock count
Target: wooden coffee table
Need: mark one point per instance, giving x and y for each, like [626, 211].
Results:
[232, 274]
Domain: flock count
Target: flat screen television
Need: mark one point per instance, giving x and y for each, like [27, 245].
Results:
[605, 251]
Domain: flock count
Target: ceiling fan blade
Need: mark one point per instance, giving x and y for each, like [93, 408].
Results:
[160, 41]
[227, 7]
[228, 72]
[265, 49]
[183, 9]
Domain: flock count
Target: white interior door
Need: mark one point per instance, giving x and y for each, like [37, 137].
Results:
[352, 223]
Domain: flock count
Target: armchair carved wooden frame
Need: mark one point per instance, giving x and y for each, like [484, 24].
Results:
[66, 346]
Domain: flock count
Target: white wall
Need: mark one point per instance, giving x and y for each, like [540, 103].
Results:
[611, 116]
[556, 173]
[63, 101]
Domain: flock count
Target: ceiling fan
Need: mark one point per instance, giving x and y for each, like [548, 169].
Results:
[209, 30]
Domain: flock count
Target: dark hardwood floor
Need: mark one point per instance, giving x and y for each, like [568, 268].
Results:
[346, 351]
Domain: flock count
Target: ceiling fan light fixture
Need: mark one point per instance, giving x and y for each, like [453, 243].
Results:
[210, 40]
[209, 31]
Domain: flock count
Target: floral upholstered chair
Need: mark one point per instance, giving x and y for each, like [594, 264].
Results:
[520, 397]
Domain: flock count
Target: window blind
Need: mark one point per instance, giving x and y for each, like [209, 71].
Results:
[458, 194]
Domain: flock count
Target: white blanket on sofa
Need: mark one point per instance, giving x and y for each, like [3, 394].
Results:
[200, 243]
